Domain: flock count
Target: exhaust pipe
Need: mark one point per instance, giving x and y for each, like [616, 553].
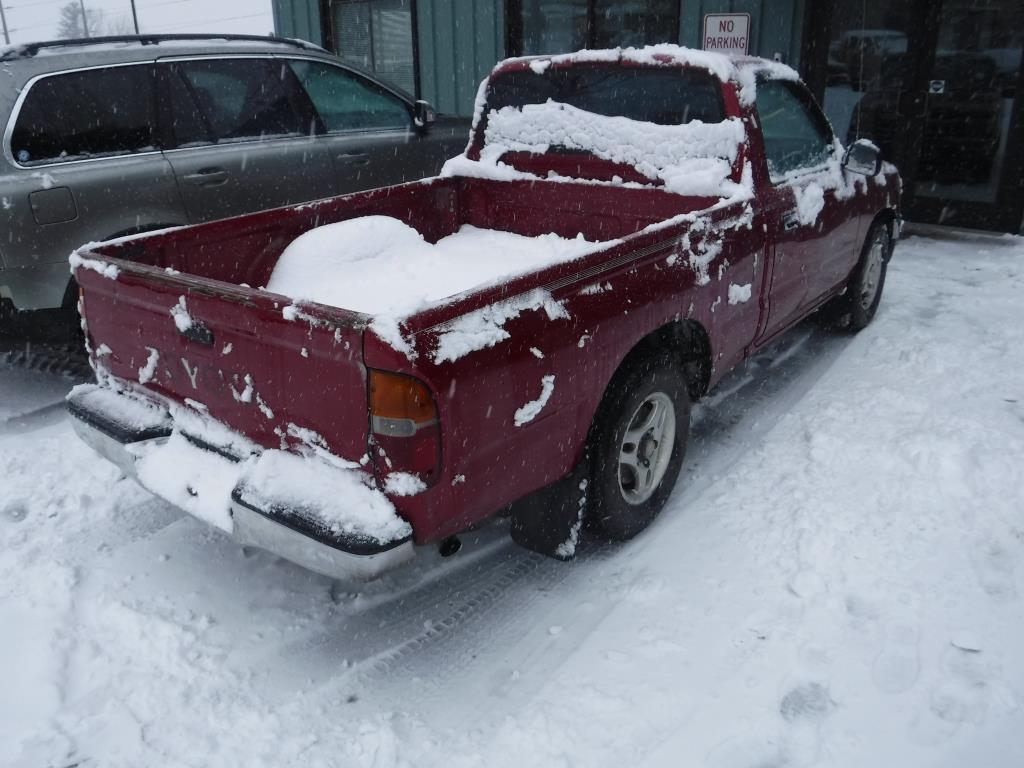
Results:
[450, 546]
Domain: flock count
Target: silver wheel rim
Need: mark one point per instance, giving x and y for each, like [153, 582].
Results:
[872, 273]
[646, 448]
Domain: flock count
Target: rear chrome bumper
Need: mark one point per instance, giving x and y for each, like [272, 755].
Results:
[285, 535]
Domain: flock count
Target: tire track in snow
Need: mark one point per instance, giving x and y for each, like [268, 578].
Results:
[531, 636]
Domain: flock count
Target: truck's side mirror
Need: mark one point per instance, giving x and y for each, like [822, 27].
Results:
[423, 114]
[863, 157]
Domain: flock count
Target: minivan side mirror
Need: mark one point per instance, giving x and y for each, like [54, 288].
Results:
[423, 114]
[863, 157]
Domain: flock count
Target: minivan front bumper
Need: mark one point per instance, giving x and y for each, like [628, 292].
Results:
[286, 533]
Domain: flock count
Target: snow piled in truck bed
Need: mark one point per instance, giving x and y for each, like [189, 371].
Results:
[379, 265]
[691, 159]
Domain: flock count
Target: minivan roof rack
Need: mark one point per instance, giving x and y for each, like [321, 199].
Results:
[31, 49]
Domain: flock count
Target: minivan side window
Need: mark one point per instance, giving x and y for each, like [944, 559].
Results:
[225, 100]
[795, 136]
[91, 113]
[348, 102]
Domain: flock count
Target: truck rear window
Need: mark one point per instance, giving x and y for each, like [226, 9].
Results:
[662, 95]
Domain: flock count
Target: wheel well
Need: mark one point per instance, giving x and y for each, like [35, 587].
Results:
[886, 216]
[689, 340]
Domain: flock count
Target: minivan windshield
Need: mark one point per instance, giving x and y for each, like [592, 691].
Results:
[662, 95]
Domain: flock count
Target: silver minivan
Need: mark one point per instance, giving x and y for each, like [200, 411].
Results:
[114, 136]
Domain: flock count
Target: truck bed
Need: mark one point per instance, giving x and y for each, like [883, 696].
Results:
[181, 315]
[215, 272]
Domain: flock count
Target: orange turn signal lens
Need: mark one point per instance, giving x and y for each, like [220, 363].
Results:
[395, 396]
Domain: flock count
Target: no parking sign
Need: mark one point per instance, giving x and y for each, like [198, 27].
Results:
[727, 32]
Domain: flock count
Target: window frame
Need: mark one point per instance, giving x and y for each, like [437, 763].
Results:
[19, 103]
[817, 117]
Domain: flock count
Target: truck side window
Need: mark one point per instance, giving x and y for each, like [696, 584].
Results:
[79, 115]
[795, 136]
[347, 102]
[247, 98]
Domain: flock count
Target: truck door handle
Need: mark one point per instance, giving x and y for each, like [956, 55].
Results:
[354, 158]
[207, 177]
[790, 221]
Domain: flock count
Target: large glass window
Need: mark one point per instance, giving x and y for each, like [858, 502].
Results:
[347, 102]
[795, 137]
[551, 26]
[953, 94]
[377, 36]
[239, 99]
[93, 113]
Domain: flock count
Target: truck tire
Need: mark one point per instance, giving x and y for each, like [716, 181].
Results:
[856, 308]
[637, 446]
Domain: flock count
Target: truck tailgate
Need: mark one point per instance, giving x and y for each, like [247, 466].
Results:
[246, 359]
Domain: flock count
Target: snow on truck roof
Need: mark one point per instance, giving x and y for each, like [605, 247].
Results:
[741, 70]
[696, 157]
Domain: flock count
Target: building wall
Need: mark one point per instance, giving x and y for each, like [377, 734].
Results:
[459, 42]
[298, 18]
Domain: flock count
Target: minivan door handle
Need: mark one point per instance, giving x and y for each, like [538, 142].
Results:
[790, 220]
[354, 158]
[206, 177]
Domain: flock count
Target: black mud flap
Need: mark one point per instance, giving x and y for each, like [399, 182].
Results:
[550, 520]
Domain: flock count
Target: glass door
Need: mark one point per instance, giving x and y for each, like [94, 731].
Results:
[935, 85]
[965, 159]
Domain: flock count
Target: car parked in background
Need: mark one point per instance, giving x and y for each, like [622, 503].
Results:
[114, 136]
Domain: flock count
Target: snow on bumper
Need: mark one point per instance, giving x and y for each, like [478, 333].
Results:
[323, 517]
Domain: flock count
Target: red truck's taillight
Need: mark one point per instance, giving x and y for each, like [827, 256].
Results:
[403, 419]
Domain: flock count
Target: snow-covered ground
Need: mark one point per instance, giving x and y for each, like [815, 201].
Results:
[837, 581]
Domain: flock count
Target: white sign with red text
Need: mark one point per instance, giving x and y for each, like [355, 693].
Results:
[727, 32]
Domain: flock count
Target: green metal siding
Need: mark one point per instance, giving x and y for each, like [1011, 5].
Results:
[459, 42]
[298, 18]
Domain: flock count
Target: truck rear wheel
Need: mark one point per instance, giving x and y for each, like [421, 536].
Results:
[638, 446]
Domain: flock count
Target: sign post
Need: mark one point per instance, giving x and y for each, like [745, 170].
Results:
[727, 33]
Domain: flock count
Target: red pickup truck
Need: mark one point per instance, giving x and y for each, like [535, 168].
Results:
[342, 380]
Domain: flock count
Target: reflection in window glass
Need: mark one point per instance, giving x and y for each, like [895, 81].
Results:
[95, 113]
[554, 26]
[867, 68]
[347, 102]
[561, 27]
[247, 98]
[636, 23]
[376, 35]
[965, 88]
